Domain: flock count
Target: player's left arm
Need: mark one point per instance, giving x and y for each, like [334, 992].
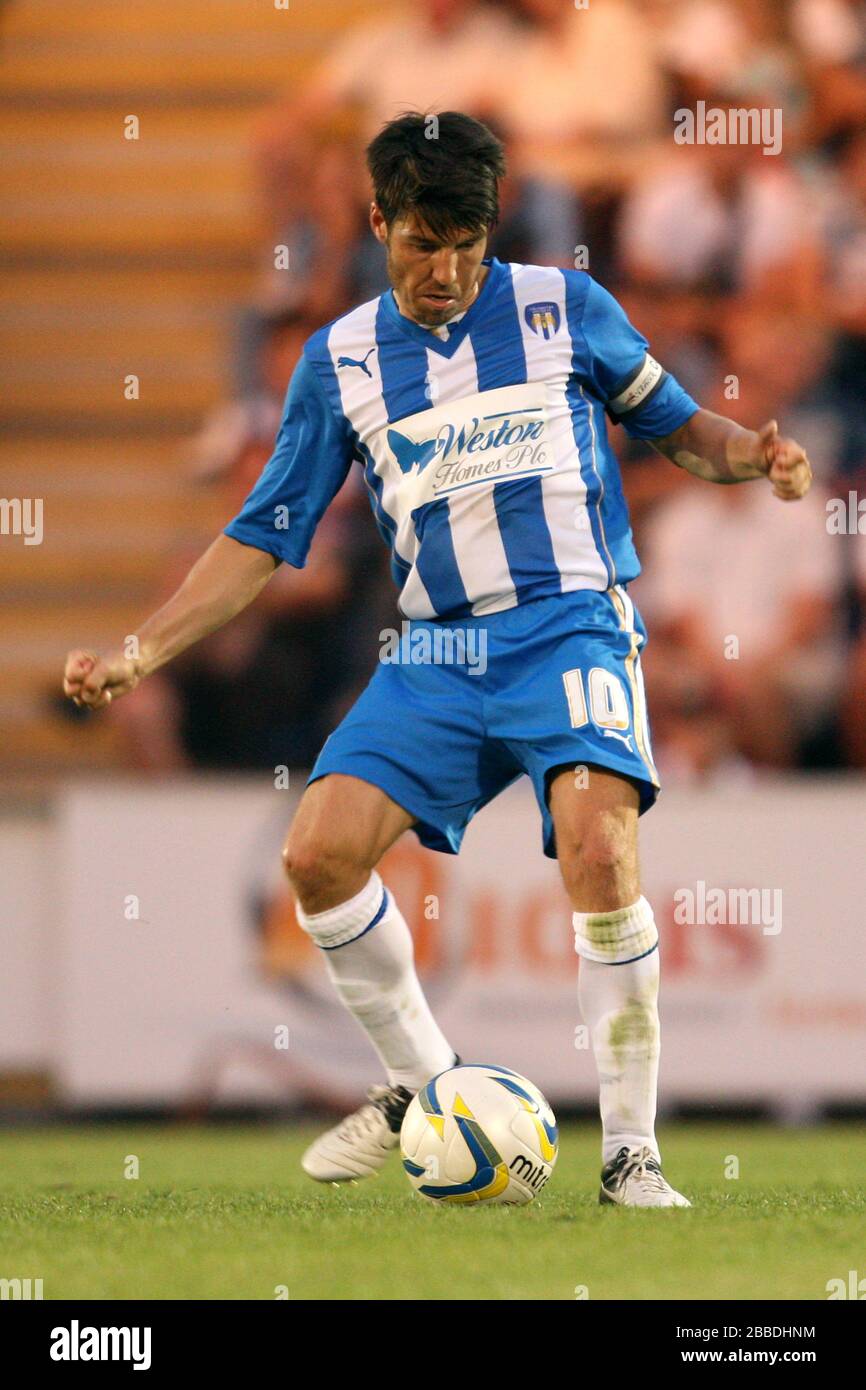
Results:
[719, 450]
[648, 402]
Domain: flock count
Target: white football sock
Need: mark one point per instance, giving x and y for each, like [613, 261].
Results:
[618, 992]
[368, 954]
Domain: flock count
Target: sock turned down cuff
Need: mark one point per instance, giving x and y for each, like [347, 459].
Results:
[339, 925]
[612, 938]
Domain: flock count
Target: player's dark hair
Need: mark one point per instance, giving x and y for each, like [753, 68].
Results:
[446, 168]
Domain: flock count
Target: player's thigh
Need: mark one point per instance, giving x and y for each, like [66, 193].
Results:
[340, 831]
[595, 815]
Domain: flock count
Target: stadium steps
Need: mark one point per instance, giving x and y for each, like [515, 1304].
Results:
[120, 256]
[184, 182]
[116, 46]
[47, 744]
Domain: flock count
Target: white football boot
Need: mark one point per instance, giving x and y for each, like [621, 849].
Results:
[634, 1179]
[358, 1146]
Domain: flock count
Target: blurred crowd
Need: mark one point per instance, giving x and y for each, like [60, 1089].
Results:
[747, 273]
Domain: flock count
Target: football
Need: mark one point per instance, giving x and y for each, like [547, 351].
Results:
[479, 1133]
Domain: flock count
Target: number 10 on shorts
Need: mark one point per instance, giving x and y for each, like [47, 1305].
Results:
[608, 702]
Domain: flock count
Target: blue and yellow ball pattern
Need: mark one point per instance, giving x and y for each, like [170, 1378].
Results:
[479, 1133]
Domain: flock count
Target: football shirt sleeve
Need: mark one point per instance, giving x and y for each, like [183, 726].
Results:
[312, 456]
[638, 393]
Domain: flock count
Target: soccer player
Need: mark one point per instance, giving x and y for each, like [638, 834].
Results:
[473, 394]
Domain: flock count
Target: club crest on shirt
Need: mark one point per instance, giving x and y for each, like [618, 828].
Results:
[543, 317]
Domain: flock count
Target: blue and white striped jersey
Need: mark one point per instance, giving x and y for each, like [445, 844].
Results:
[484, 449]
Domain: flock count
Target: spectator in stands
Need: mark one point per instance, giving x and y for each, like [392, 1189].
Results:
[845, 293]
[743, 598]
[585, 92]
[831, 35]
[777, 364]
[743, 50]
[271, 345]
[741, 605]
[431, 55]
[751, 224]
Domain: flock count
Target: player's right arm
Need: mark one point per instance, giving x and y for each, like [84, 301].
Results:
[311, 458]
[227, 577]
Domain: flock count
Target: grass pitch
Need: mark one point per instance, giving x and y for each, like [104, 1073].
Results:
[226, 1213]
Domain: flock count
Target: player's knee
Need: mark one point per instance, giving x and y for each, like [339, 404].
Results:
[605, 842]
[319, 873]
[603, 858]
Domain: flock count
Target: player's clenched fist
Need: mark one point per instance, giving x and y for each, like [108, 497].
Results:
[94, 681]
[785, 463]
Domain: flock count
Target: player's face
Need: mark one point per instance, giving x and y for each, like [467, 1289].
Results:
[432, 279]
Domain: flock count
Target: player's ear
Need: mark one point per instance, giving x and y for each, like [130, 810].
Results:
[378, 224]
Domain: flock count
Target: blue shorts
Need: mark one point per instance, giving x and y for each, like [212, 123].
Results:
[460, 710]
